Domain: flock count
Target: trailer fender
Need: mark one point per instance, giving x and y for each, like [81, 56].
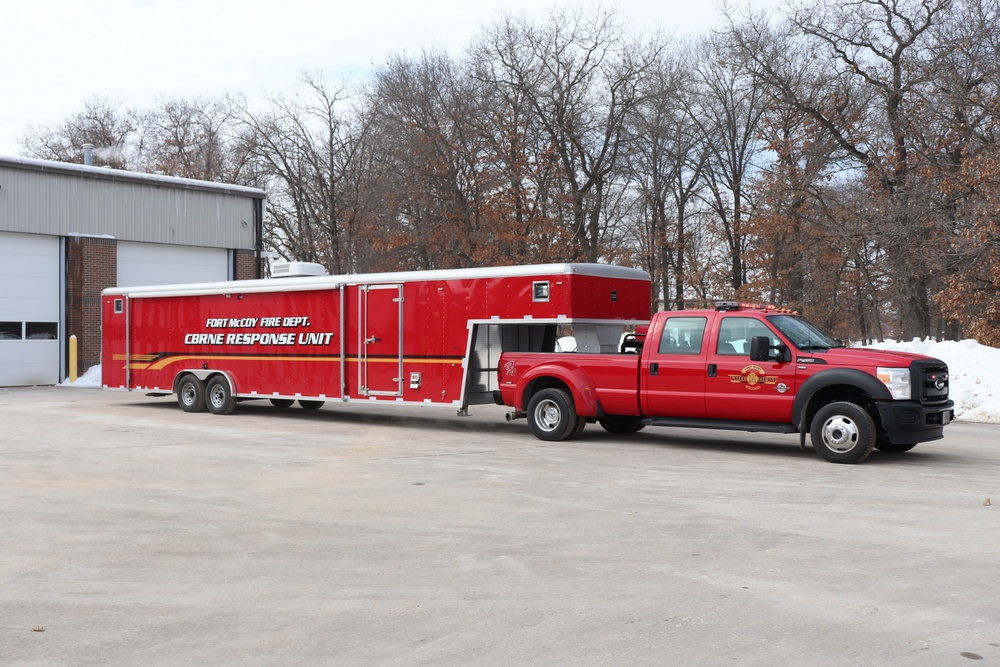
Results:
[578, 382]
[851, 378]
[205, 375]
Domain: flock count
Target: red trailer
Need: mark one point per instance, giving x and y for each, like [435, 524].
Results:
[420, 337]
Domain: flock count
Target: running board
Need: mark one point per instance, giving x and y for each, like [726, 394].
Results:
[722, 424]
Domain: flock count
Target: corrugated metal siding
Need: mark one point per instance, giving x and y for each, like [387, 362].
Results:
[40, 202]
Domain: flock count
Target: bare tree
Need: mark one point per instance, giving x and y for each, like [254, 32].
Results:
[102, 123]
[580, 73]
[666, 158]
[727, 106]
[191, 138]
[303, 152]
[865, 60]
[436, 175]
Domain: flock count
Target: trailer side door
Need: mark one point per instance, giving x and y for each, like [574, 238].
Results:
[380, 340]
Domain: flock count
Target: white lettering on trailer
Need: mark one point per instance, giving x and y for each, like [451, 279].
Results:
[270, 321]
[215, 323]
[296, 322]
[203, 339]
[315, 338]
[243, 323]
[260, 339]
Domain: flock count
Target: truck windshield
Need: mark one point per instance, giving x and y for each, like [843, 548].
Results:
[804, 334]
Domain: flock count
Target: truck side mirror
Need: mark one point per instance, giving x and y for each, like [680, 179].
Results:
[760, 350]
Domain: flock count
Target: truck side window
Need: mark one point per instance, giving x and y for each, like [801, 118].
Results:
[682, 335]
[735, 334]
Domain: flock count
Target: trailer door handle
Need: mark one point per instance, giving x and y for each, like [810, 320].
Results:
[369, 341]
[654, 368]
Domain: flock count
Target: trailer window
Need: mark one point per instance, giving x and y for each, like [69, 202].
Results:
[540, 290]
[119, 305]
[682, 335]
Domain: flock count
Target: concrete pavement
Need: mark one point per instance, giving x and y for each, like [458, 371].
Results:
[133, 533]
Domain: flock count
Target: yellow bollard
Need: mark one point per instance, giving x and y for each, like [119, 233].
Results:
[72, 358]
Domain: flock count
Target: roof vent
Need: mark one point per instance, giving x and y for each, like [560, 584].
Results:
[297, 269]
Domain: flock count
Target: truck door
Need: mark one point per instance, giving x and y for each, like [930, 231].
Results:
[672, 373]
[380, 344]
[740, 389]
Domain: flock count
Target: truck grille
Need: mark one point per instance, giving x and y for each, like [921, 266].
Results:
[933, 382]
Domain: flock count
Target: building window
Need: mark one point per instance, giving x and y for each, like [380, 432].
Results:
[41, 330]
[10, 331]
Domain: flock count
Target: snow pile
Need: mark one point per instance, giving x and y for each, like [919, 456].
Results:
[974, 371]
[89, 380]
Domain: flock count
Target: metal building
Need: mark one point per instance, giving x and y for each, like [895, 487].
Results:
[68, 231]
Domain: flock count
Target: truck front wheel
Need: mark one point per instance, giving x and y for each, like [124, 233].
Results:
[551, 415]
[843, 432]
[191, 394]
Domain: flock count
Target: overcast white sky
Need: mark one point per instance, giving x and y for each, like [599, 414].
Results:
[54, 54]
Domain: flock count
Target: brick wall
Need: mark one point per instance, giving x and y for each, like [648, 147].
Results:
[246, 267]
[92, 265]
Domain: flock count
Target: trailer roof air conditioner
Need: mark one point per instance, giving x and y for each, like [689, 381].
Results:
[297, 269]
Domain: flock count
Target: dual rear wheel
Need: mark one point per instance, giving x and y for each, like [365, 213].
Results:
[552, 416]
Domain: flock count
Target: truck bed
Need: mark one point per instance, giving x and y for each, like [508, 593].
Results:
[611, 379]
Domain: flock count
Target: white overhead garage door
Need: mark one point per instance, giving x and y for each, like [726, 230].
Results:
[154, 264]
[29, 309]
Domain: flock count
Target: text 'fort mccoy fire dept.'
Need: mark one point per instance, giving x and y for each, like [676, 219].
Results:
[258, 338]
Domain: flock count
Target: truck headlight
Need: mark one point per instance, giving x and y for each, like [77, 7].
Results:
[897, 381]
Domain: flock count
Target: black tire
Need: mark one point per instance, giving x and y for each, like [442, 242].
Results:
[552, 415]
[619, 424]
[310, 405]
[282, 403]
[883, 445]
[581, 423]
[843, 432]
[219, 397]
[191, 394]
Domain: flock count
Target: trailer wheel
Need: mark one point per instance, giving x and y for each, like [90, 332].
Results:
[843, 432]
[282, 402]
[191, 394]
[619, 424]
[310, 405]
[551, 415]
[219, 397]
[883, 445]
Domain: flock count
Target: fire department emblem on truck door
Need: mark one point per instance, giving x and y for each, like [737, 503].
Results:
[753, 377]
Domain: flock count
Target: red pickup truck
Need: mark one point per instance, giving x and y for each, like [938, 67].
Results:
[738, 367]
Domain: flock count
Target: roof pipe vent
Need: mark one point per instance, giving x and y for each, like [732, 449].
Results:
[88, 154]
